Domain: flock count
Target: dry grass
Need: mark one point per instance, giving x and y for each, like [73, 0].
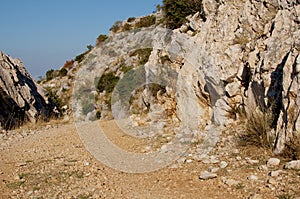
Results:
[258, 129]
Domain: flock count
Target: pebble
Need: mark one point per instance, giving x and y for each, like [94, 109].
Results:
[272, 181]
[223, 164]
[263, 168]
[250, 161]
[295, 164]
[230, 182]
[273, 162]
[256, 196]
[238, 158]
[213, 169]
[275, 173]
[205, 175]
[252, 177]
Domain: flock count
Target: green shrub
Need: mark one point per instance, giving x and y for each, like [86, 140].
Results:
[101, 38]
[50, 74]
[63, 72]
[143, 54]
[131, 19]
[125, 68]
[176, 11]
[146, 21]
[55, 99]
[116, 27]
[80, 57]
[126, 27]
[107, 82]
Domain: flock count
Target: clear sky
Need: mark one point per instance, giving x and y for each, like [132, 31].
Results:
[46, 33]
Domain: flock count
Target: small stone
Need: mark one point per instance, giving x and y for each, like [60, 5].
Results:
[263, 168]
[252, 177]
[223, 164]
[181, 160]
[295, 164]
[213, 169]
[205, 175]
[238, 158]
[86, 164]
[164, 149]
[272, 181]
[20, 164]
[273, 162]
[250, 161]
[230, 182]
[189, 161]
[276, 173]
[29, 193]
[256, 196]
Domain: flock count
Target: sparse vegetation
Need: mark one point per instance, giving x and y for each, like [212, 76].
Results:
[63, 72]
[258, 128]
[176, 11]
[50, 74]
[80, 57]
[107, 82]
[68, 64]
[126, 27]
[101, 38]
[143, 54]
[146, 21]
[54, 98]
[292, 148]
[116, 27]
[131, 19]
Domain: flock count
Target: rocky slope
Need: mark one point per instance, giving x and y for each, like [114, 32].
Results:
[239, 65]
[21, 99]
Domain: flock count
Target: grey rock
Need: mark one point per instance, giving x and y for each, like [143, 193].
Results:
[21, 98]
[223, 164]
[205, 175]
[213, 169]
[230, 182]
[273, 162]
[252, 178]
[276, 173]
[295, 164]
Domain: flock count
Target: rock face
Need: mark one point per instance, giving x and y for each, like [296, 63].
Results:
[244, 58]
[21, 99]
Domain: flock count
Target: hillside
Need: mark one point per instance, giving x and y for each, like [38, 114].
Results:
[165, 105]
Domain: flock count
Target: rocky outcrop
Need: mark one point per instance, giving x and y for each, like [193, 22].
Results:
[21, 99]
[244, 58]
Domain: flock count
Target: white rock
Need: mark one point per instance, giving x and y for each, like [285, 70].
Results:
[295, 164]
[230, 182]
[273, 162]
[276, 173]
[223, 164]
[252, 177]
[205, 175]
[213, 169]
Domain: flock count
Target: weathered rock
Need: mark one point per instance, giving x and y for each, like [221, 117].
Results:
[295, 164]
[21, 99]
[205, 175]
[273, 162]
[252, 178]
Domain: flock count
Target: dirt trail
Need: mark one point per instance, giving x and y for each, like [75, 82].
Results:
[53, 163]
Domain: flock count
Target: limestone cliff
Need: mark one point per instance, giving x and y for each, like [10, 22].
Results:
[21, 99]
[240, 62]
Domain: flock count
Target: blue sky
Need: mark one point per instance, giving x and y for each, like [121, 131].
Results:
[46, 33]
